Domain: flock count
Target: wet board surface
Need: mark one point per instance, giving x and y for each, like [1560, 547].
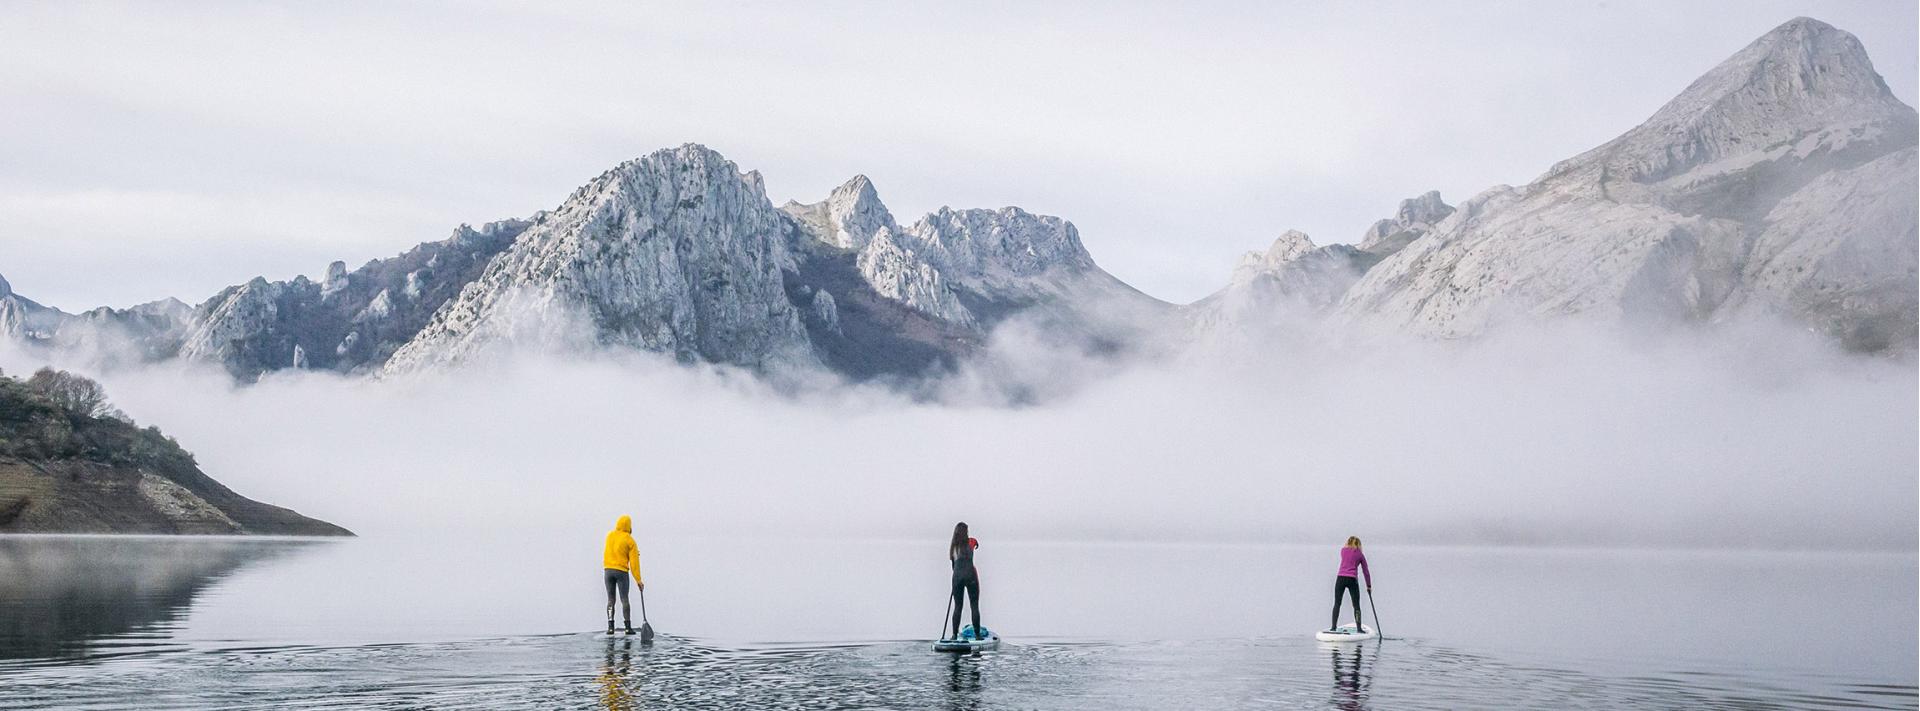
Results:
[967, 645]
[968, 641]
[1346, 633]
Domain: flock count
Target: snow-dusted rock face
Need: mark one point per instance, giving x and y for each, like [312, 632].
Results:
[227, 327]
[675, 252]
[998, 252]
[899, 273]
[921, 296]
[1840, 253]
[352, 321]
[848, 218]
[1799, 101]
[1757, 171]
[1002, 260]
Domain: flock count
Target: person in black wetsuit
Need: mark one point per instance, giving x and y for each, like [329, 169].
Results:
[966, 580]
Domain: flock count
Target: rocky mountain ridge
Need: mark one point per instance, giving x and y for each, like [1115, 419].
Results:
[1679, 219]
[1781, 182]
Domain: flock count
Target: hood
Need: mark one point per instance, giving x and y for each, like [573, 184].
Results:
[624, 525]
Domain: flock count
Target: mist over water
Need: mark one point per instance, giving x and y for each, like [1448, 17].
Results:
[1158, 530]
[1739, 437]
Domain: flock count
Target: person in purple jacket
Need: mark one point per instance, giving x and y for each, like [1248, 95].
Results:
[1350, 558]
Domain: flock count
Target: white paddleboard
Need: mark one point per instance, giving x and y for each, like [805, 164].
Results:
[1346, 633]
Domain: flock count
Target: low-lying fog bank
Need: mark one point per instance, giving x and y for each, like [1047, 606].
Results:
[1753, 437]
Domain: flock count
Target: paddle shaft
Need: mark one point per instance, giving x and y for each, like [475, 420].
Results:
[1370, 607]
[643, 606]
[944, 618]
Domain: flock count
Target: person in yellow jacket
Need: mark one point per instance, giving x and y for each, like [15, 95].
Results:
[619, 560]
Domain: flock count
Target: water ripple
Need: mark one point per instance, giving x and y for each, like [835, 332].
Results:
[618, 673]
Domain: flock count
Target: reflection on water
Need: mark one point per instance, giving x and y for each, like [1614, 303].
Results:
[963, 681]
[65, 597]
[365, 624]
[615, 693]
[1349, 682]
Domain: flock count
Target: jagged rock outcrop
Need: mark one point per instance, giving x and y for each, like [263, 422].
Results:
[952, 262]
[676, 252]
[1704, 207]
[1416, 217]
[897, 272]
[999, 253]
[847, 219]
[826, 312]
[24, 319]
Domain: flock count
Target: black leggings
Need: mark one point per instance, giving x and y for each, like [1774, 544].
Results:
[968, 586]
[617, 581]
[1346, 584]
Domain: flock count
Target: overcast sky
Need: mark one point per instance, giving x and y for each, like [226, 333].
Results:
[170, 149]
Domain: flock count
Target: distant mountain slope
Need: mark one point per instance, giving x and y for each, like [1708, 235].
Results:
[67, 471]
[1781, 181]
[677, 252]
[350, 321]
[1295, 279]
[681, 252]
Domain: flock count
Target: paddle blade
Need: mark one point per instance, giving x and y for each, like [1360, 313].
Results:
[646, 633]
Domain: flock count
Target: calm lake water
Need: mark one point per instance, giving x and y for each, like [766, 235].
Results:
[454, 620]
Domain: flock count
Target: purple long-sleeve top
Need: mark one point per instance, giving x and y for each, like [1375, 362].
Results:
[1352, 558]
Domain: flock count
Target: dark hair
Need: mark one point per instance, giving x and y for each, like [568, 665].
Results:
[959, 539]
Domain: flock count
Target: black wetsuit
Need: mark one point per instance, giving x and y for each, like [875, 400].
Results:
[966, 581]
[1346, 584]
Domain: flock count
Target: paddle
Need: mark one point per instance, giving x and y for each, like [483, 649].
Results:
[646, 628]
[1376, 614]
[944, 618]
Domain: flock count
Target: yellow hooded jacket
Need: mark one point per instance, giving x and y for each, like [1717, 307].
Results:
[621, 553]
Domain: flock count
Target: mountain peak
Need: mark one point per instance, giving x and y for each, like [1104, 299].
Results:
[1416, 217]
[848, 218]
[5, 288]
[1804, 65]
[677, 251]
[1289, 246]
[858, 186]
[1426, 209]
[1802, 98]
